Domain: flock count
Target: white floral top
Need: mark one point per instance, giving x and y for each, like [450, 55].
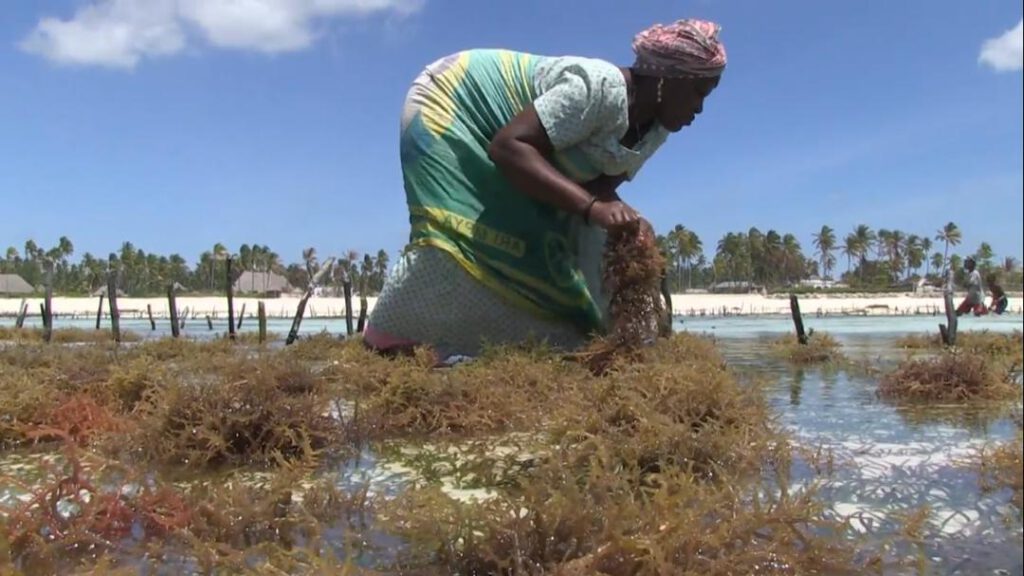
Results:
[584, 107]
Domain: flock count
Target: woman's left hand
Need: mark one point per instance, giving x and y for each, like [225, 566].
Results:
[612, 214]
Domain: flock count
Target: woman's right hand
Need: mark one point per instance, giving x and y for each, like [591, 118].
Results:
[612, 214]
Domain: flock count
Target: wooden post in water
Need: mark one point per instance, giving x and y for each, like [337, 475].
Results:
[293, 333]
[48, 303]
[261, 312]
[149, 312]
[347, 286]
[948, 331]
[666, 326]
[22, 311]
[798, 319]
[184, 316]
[362, 314]
[209, 322]
[115, 315]
[231, 299]
[172, 307]
[241, 315]
[99, 311]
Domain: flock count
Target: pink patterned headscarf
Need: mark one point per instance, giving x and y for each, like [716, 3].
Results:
[684, 49]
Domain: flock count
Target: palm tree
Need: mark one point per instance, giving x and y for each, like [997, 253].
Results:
[773, 258]
[915, 253]
[951, 236]
[883, 239]
[687, 247]
[732, 255]
[850, 250]
[676, 241]
[926, 247]
[896, 250]
[824, 243]
[984, 255]
[756, 265]
[864, 237]
[937, 260]
[245, 257]
[793, 258]
[381, 271]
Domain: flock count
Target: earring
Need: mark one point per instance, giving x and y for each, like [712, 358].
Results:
[661, 83]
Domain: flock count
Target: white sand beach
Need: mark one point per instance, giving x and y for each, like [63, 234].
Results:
[690, 304]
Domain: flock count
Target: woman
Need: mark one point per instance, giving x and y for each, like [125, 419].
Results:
[511, 164]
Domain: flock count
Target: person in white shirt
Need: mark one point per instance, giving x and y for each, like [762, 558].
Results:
[975, 300]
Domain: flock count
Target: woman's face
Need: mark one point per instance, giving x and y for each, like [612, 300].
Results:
[682, 99]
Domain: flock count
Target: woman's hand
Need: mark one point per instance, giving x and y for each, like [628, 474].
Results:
[612, 214]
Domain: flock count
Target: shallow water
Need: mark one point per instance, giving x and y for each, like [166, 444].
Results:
[890, 460]
[723, 327]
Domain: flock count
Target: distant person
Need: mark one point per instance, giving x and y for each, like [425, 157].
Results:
[975, 300]
[511, 165]
[999, 299]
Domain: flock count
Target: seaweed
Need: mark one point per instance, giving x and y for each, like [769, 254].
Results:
[633, 266]
[250, 411]
[64, 335]
[821, 348]
[950, 376]
[1001, 467]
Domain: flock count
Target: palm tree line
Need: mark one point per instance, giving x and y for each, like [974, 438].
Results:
[877, 259]
[148, 274]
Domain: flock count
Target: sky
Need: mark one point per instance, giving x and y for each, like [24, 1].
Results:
[176, 124]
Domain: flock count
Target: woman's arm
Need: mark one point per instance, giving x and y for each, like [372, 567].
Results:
[605, 187]
[520, 151]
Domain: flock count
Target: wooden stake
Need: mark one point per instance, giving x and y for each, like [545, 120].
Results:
[241, 316]
[666, 326]
[115, 315]
[231, 300]
[362, 314]
[798, 319]
[22, 311]
[293, 334]
[173, 310]
[209, 322]
[261, 312]
[948, 331]
[149, 312]
[347, 285]
[48, 304]
[99, 312]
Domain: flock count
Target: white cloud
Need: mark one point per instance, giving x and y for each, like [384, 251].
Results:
[1005, 53]
[114, 33]
[119, 33]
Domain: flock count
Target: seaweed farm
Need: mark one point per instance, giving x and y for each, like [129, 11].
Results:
[722, 449]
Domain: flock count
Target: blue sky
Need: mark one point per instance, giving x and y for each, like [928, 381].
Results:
[180, 123]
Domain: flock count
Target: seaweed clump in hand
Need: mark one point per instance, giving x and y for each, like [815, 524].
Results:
[632, 275]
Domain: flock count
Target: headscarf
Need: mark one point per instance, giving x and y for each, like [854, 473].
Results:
[685, 49]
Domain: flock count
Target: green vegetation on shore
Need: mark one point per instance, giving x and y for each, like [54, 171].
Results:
[876, 261]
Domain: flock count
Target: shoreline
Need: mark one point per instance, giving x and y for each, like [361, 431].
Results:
[684, 304]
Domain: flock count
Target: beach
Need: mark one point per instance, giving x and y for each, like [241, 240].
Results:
[687, 304]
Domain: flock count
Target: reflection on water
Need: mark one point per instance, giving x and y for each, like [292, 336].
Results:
[893, 460]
